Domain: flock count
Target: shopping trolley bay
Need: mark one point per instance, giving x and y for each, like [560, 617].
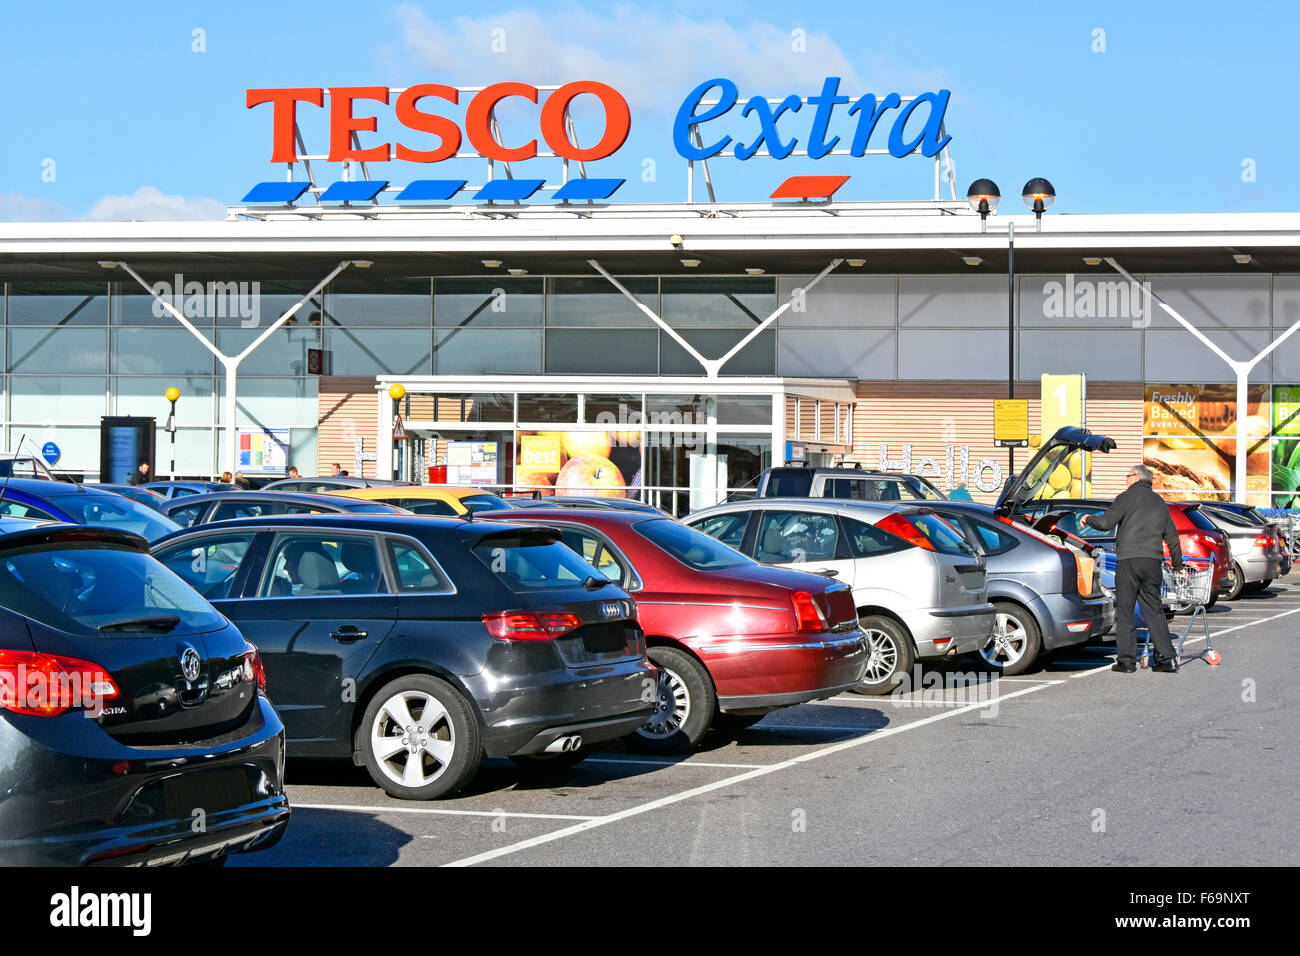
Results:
[1067, 764]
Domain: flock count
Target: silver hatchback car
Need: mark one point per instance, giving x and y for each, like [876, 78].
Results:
[919, 586]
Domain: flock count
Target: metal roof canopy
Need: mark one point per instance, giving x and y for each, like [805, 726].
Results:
[785, 243]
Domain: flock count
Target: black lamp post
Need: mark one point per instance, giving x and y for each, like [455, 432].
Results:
[172, 394]
[983, 197]
[397, 392]
[1038, 195]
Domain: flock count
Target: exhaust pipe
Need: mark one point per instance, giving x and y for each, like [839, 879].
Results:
[563, 745]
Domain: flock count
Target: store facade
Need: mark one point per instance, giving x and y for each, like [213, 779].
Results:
[504, 332]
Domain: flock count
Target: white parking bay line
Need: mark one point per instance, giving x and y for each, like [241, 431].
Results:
[672, 763]
[827, 751]
[363, 808]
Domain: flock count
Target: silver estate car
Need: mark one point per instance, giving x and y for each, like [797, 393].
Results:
[1256, 550]
[919, 586]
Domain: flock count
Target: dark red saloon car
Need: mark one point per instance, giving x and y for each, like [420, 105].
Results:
[733, 639]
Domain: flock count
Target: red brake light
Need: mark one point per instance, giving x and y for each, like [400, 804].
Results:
[1263, 541]
[807, 613]
[529, 625]
[254, 670]
[900, 527]
[46, 685]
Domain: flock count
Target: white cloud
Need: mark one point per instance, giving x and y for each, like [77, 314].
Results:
[151, 203]
[15, 207]
[652, 58]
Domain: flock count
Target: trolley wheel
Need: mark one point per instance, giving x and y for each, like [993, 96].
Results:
[1212, 657]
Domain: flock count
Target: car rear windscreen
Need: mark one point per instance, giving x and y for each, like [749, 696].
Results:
[789, 483]
[692, 548]
[942, 536]
[86, 591]
[533, 562]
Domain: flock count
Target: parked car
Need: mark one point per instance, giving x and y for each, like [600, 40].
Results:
[80, 504]
[1256, 550]
[179, 489]
[137, 493]
[325, 485]
[14, 465]
[733, 640]
[444, 500]
[1278, 524]
[919, 587]
[127, 707]
[1198, 537]
[597, 504]
[853, 484]
[228, 505]
[1047, 594]
[417, 645]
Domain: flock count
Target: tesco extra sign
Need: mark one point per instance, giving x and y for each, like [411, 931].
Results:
[351, 111]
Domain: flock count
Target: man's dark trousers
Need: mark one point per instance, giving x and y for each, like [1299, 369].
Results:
[1138, 580]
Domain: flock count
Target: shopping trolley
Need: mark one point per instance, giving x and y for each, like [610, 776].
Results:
[1179, 592]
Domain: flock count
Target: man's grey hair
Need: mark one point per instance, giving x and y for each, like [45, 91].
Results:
[1144, 473]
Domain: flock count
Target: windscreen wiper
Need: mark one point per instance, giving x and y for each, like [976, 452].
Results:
[158, 622]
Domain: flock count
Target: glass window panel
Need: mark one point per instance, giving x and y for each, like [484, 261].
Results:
[728, 528]
[272, 402]
[602, 351]
[602, 409]
[78, 446]
[193, 453]
[56, 398]
[284, 353]
[966, 354]
[146, 396]
[948, 301]
[746, 455]
[717, 301]
[485, 351]
[62, 304]
[62, 351]
[462, 407]
[487, 302]
[1096, 300]
[1212, 302]
[756, 358]
[857, 353]
[548, 408]
[1103, 355]
[1174, 356]
[416, 571]
[786, 537]
[356, 302]
[840, 301]
[264, 302]
[202, 302]
[173, 351]
[582, 301]
[379, 352]
[209, 565]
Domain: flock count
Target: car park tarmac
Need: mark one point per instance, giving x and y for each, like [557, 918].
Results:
[1070, 764]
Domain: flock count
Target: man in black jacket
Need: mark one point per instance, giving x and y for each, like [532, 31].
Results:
[1144, 525]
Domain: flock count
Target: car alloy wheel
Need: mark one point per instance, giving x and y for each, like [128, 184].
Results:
[882, 659]
[889, 654]
[412, 739]
[1007, 645]
[672, 707]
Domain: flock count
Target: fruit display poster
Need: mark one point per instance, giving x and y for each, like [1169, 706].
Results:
[585, 463]
[1286, 446]
[1190, 440]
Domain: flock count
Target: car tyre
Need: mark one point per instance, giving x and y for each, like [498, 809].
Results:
[890, 654]
[1016, 641]
[419, 738]
[1238, 584]
[685, 706]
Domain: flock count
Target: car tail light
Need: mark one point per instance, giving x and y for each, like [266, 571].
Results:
[1083, 573]
[1207, 542]
[530, 625]
[900, 527]
[46, 685]
[807, 613]
[1264, 541]
[254, 670]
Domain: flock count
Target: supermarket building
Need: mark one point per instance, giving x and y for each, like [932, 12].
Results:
[690, 344]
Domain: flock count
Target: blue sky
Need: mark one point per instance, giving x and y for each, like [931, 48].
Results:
[138, 124]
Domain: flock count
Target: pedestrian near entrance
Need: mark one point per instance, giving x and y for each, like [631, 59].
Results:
[227, 477]
[241, 482]
[1144, 526]
[960, 493]
[293, 472]
[338, 470]
[140, 475]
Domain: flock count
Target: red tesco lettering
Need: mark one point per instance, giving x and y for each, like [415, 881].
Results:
[345, 121]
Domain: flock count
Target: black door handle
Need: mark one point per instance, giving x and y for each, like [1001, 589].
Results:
[348, 633]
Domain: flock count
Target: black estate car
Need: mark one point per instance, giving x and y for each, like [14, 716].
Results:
[133, 724]
[418, 645]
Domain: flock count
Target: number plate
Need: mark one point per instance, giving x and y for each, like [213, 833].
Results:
[210, 791]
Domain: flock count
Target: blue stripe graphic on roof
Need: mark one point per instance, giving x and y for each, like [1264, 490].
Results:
[507, 189]
[362, 191]
[588, 189]
[277, 192]
[431, 189]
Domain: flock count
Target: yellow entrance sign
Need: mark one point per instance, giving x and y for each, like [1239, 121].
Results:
[1061, 404]
[539, 452]
[1011, 422]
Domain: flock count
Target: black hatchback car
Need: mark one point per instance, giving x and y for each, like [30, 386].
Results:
[228, 505]
[418, 645]
[133, 724]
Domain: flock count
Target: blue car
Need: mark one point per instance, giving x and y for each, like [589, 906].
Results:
[81, 504]
[178, 489]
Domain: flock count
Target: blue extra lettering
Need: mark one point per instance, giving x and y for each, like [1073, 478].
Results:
[767, 131]
[928, 139]
[687, 118]
[871, 113]
[825, 103]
